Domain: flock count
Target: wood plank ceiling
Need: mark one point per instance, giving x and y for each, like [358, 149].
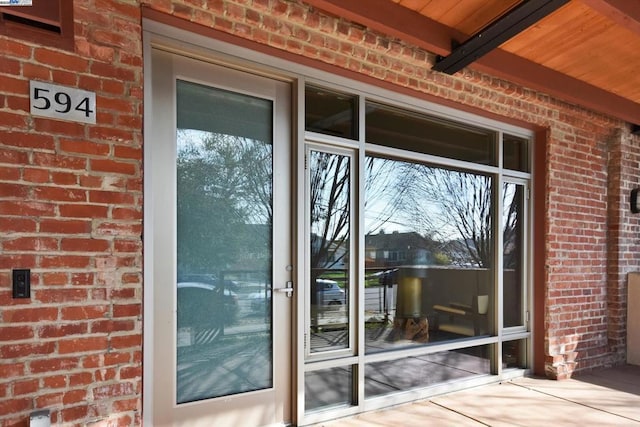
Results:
[587, 52]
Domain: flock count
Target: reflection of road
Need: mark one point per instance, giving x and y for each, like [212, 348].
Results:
[329, 315]
[232, 365]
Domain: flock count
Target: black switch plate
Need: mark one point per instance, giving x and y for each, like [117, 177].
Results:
[22, 283]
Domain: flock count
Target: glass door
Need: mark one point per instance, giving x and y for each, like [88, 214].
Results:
[221, 274]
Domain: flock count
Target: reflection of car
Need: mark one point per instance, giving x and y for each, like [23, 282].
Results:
[258, 300]
[329, 293]
[203, 305]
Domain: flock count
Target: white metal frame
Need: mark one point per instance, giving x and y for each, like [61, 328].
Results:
[195, 45]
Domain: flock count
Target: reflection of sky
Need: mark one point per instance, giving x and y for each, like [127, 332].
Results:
[389, 211]
[191, 138]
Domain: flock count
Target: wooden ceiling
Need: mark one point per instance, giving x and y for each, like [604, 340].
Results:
[587, 52]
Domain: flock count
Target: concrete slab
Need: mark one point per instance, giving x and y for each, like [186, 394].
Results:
[423, 413]
[511, 404]
[581, 392]
[607, 397]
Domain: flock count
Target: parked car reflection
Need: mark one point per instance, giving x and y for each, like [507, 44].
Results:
[206, 306]
[328, 292]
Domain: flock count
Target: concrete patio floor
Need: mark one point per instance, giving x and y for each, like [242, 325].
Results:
[607, 397]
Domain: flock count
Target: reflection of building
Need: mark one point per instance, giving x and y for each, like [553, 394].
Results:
[328, 255]
[393, 249]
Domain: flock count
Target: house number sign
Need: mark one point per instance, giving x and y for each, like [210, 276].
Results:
[61, 102]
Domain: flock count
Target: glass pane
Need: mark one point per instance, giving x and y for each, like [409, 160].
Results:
[514, 354]
[429, 254]
[331, 113]
[516, 153]
[328, 387]
[513, 232]
[330, 182]
[224, 217]
[392, 376]
[393, 127]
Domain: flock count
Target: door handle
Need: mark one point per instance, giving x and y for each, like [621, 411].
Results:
[288, 289]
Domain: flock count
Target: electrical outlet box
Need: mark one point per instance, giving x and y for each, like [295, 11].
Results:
[40, 418]
[22, 283]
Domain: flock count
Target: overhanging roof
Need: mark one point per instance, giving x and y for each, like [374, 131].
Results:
[587, 52]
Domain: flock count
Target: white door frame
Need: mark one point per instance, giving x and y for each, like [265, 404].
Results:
[160, 191]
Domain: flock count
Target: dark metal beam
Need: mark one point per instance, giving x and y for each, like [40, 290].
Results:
[493, 35]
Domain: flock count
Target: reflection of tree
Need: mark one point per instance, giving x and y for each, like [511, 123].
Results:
[224, 186]
[448, 200]
[512, 205]
[387, 190]
[330, 178]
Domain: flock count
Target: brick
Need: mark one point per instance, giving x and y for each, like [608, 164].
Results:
[112, 166]
[127, 310]
[49, 400]
[65, 226]
[131, 372]
[82, 279]
[29, 314]
[25, 387]
[29, 140]
[15, 405]
[55, 381]
[15, 333]
[84, 312]
[23, 225]
[117, 198]
[125, 341]
[65, 261]
[62, 330]
[83, 211]
[114, 390]
[33, 175]
[74, 413]
[54, 365]
[109, 326]
[80, 379]
[81, 345]
[60, 295]
[127, 405]
[74, 396]
[11, 370]
[119, 229]
[31, 244]
[84, 245]
[11, 351]
[64, 178]
[59, 59]
[10, 174]
[9, 261]
[15, 48]
[84, 147]
[106, 374]
[13, 85]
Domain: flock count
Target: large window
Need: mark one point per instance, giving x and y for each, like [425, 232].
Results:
[428, 258]
[442, 219]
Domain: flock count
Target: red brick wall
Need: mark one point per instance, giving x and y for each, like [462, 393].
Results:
[70, 210]
[624, 232]
[71, 200]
